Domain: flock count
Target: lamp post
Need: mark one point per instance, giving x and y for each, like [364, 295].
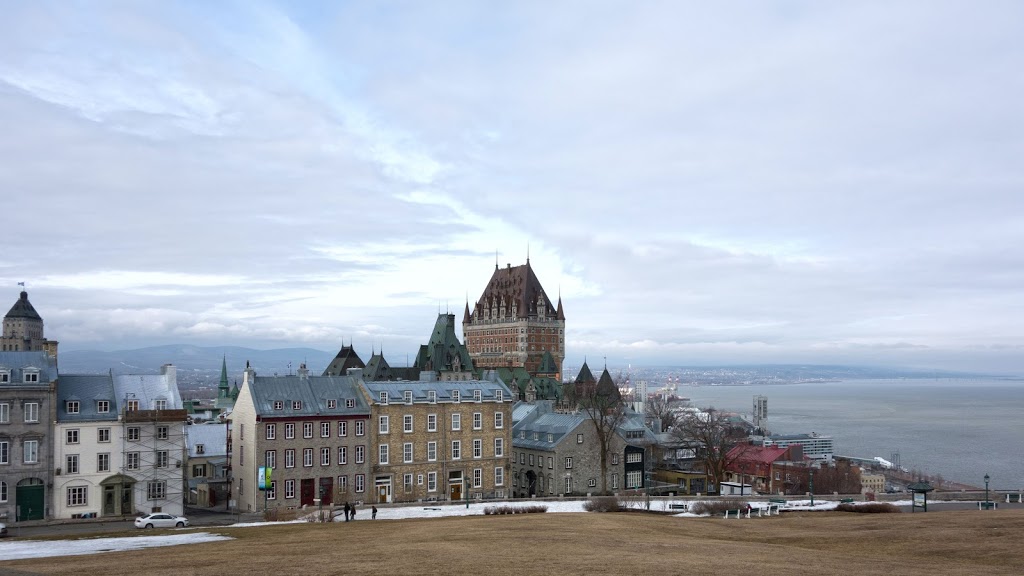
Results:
[811, 484]
[986, 490]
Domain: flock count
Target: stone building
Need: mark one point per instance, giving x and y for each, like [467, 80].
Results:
[28, 383]
[439, 439]
[313, 433]
[514, 323]
[23, 329]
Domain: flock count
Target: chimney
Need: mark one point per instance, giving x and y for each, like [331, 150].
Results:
[169, 371]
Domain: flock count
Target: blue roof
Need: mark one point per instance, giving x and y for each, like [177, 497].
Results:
[148, 388]
[533, 431]
[87, 389]
[312, 394]
[213, 437]
[443, 389]
[17, 362]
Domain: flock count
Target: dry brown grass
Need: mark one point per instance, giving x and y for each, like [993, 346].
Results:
[819, 544]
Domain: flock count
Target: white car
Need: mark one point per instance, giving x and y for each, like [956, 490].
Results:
[3, 530]
[161, 520]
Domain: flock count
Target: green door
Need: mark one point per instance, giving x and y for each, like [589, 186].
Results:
[30, 502]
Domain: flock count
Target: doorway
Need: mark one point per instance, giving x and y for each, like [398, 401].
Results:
[30, 497]
[118, 499]
[383, 484]
[307, 492]
[455, 485]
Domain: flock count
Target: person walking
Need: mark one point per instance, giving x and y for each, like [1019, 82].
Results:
[348, 510]
[373, 513]
[353, 512]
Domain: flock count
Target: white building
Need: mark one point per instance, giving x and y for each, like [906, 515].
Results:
[815, 445]
[87, 450]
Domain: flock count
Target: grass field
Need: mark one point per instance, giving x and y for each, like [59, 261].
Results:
[818, 543]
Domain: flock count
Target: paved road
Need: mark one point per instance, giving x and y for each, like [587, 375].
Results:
[196, 517]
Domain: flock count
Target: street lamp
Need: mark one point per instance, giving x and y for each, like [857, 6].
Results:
[811, 483]
[986, 490]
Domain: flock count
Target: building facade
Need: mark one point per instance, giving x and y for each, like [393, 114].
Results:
[514, 323]
[23, 329]
[313, 432]
[440, 439]
[28, 383]
[206, 464]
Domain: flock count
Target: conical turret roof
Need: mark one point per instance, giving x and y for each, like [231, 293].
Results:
[23, 309]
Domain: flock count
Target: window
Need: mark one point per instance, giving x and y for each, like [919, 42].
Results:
[133, 433]
[3, 491]
[307, 429]
[455, 396]
[360, 427]
[456, 422]
[407, 423]
[72, 436]
[131, 460]
[615, 481]
[383, 397]
[272, 492]
[5, 375]
[325, 429]
[289, 431]
[350, 403]
[499, 447]
[77, 495]
[634, 479]
[157, 490]
[360, 482]
[342, 455]
[477, 396]
[499, 396]
[71, 464]
[296, 404]
[289, 488]
[522, 458]
[478, 448]
[161, 432]
[568, 485]
[289, 458]
[407, 452]
[592, 482]
[499, 476]
[5, 413]
[103, 462]
[72, 406]
[325, 456]
[31, 451]
[419, 479]
[432, 396]
[478, 421]
[103, 435]
[431, 422]
[530, 457]
[383, 425]
[551, 437]
[407, 482]
[579, 438]
[332, 404]
[431, 481]
[160, 404]
[478, 477]
[383, 455]
[431, 451]
[615, 459]
[199, 470]
[342, 428]
[307, 457]
[360, 454]
[270, 459]
[278, 405]
[5, 452]
[271, 431]
[131, 405]
[31, 412]
[568, 462]
[456, 449]
[30, 377]
[161, 458]
[634, 457]
[499, 420]
[342, 484]
[407, 396]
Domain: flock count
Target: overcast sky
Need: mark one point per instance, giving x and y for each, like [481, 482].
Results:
[703, 182]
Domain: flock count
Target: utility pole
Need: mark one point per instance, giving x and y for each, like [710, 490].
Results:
[812, 485]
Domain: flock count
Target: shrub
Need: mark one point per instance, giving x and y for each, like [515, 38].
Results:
[501, 510]
[602, 504]
[872, 508]
[716, 507]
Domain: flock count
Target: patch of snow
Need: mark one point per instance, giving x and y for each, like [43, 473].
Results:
[20, 549]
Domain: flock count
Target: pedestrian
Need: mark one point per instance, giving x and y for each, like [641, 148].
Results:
[373, 513]
[353, 512]
[348, 510]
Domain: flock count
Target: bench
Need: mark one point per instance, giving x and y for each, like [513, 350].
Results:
[769, 510]
[1014, 498]
[780, 501]
[683, 507]
[846, 501]
[737, 512]
[987, 505]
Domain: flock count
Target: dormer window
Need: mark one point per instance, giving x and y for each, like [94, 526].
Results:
[350, 403]
[160, 404]
[131, 405]
[30, 376]
[499, 396]
[407, 396]
[455, 396]
[200, 449]
[5, 376]
[296, 404]
[432, 396]
[383, 397]
[103, 406]
[278, 404]
[332, 404]
[477, 395]
[72, 406]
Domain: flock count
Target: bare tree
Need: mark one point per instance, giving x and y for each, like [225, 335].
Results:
[662, 408]
[602, 402]
[713, 435]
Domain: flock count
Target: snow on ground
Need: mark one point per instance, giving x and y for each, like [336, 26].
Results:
[18, 549]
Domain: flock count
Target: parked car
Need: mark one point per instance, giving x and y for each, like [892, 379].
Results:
[161, 520]
[3, 530]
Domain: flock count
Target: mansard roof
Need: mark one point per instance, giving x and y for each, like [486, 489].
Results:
[23, 309]
[20, 362]
[311, 393]
[87, 389]
[213, 438]
[442, 389]
[514, 285]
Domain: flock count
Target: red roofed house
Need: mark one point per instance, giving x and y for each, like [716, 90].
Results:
[749, 464]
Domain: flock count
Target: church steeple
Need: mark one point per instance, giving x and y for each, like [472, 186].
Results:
[223, 390]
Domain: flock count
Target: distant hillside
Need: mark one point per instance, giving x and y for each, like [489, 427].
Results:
[193, 359]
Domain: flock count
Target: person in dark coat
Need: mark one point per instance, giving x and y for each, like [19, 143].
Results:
[353, 512]
[373, 513]
[348, 510]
